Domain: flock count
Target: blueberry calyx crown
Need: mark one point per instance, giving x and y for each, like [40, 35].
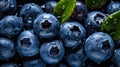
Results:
[46, 24]
[106, 45]
[75, 30]
[54, 51]
[25, 42]
[98, 17]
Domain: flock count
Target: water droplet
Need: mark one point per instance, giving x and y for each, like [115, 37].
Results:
[90, 47]
[88, 23]
[115, 51]
[32, 4]
[110, 17]
[29, 20]
[64, 15]
[115, 22]
[93, 2]
[112, 1]
[28, 7]
[118, 54]
[63, 7]
[99, 46]
[12, 6]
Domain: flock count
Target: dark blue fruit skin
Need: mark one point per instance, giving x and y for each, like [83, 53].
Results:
[8, 6]
[27, 44]
[49, 6]
[46, 26]
[52, 52]
[94, 20]
[9, 65]
[79, 12]
[7, 49]
[11, 25]
[113, 7]
[116, 58]
[72, 33]
[29, 12]
[76, 59]
[99, 47]
[34, 63]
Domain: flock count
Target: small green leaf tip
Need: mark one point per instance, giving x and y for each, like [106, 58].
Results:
[64, 9]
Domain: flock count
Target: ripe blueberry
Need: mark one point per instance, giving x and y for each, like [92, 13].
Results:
[46, 26]
[99, 47]
[72, 33]
[79, 12]
[27, 44]
[94, 21]
[11, 25]
[29, 12]
[52, 52]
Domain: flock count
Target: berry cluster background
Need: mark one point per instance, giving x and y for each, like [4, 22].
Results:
[44, 33]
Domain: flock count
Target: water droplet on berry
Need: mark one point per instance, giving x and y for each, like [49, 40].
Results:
[29, 20]
[28, 7]
[12, 6]
[88, 23]
[118, 54]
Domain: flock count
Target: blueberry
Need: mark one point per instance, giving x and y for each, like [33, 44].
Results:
[9, 65]
[11, 25]
[52, 52]
[79, 12]
[34, 63]
[49, 6]
[8, 6]
[76, 59]
[29, 12]
[72, 33]
[116, 57]
[99, 47]
[46, 26]
[113, 7]
[27, 44]
[7, 49]
[94, 21]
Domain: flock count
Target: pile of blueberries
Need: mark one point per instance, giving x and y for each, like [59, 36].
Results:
[31, 36]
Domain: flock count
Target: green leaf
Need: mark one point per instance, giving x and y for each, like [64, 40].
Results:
[93, 4]
[111, 25]
[64, 9]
